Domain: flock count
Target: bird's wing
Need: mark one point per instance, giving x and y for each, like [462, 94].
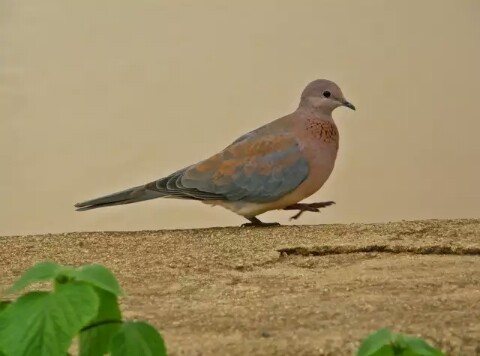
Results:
[256, 168]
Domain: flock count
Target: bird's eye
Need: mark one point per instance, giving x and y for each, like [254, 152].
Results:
[326, 94]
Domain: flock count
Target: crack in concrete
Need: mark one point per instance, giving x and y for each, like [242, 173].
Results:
[346, 249]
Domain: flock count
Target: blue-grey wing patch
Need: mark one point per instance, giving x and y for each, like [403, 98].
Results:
[260, 169]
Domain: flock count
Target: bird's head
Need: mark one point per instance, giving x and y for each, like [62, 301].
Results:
[323, 95]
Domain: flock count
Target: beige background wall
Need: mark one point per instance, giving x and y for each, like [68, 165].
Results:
[97, 96]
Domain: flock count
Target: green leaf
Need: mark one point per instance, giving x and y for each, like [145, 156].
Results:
[99, 276]
[418, 347]
[138, 338]
[40, 272]
[4, 304]
[65, 275]
[377, 344]
[95, 340]
[44, 323]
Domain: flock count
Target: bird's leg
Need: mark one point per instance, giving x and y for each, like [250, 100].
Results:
[257, 223]
[303, 207]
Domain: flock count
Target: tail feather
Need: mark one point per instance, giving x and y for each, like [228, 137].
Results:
[128, 196]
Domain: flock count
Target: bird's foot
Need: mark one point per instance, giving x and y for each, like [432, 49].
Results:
[255, 222]
[302, 207]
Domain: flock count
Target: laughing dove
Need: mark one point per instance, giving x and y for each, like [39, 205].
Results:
[273, 167]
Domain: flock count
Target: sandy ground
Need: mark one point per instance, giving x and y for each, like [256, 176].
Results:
[306, 290]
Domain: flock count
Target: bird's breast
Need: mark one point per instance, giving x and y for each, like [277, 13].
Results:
[320, 140]
[324, 132]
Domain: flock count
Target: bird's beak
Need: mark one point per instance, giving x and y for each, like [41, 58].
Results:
[347, 104]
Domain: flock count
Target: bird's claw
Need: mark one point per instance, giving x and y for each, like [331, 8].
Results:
[312, 207]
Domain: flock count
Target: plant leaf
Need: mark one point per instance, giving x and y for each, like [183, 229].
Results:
[44, 323]
[42, 271]
[65, 275]
[99, 276]
[4, 304]
[419, 347]
[377, 344]
[138, 338]
[96, 341]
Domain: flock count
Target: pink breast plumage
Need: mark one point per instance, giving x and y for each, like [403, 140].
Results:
[324, 131]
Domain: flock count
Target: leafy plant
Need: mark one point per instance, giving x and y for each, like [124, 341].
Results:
[83, 303]
[385, 343]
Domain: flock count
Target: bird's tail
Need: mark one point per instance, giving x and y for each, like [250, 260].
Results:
[128, 196]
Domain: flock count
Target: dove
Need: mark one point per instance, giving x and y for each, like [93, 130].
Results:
[271, 168]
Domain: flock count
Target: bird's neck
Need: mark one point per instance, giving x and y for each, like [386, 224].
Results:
[315, 113]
